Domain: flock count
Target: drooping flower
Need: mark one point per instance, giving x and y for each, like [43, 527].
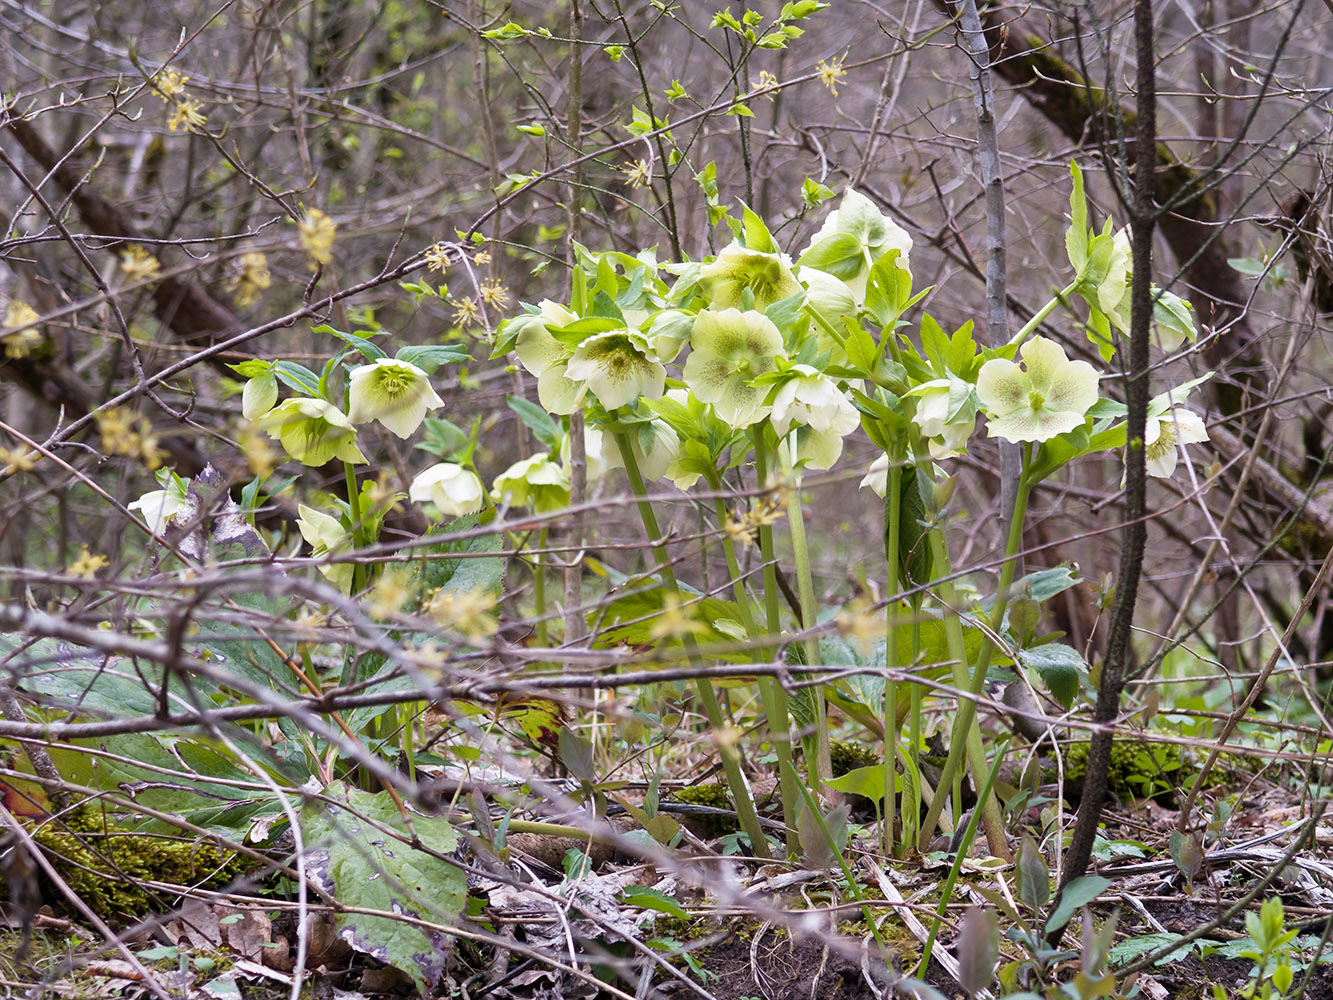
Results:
[1046, 397]
[729, 348]
[853, 237]
[326, 535]
[828, 295]
[317, 232]
[1170, 427]
[814, 401]
[450, 487]
[876, 478]
[259, 396]
[395, 393]
[767, 275]
[159, 507]
[313, 431]
[655, 446]
[545, 357]
[597, 448]
[537, 483]
[618, 366]
[946, 414]
[668, 333]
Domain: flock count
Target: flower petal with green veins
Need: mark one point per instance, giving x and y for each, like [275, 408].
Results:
[312, 431]
[767, 275]
[1165, 435]
[618, 367]
[1046, 397]
[537, 350]
[729, 348]
[559, 393]
[395, 393]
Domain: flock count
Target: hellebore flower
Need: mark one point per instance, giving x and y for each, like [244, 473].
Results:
[828, 295]
[597, 452]
[668, 333]
[259, 396]
[537, 350]
[1170, 427]
[536, 483]
[946, 415]
[1046, 397]
[877, 476]
[453, 489]
[618, 367]
[814, 400]
[158, 507]
[728, 350]
[767, 275]
[853, 237]
[313, 431]
[327, 535]
[395, 393]
[663, 449]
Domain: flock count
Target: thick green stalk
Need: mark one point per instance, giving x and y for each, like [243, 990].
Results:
[731, 761]
[818, 758]
[964, 734]
[773, 694]
[358, 526]
[1042, 313]
[893, 496]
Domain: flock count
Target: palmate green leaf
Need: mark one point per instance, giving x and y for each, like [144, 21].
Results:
[352, 858]
[429, 357]
[1076, 236]
[840, 255]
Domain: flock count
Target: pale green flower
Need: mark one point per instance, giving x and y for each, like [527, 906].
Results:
[1173, 321]
[828, 295]
[1170, 427]
[537, 350]
[853, 237]
[663, 448]
[668, 333]
[326, 535]
[450, 487]
[1046, 397]
[395, 393]
[814, 401]
[259, 396]
[618, 367]
[946, 414]
[597, 451]
[877, 476]
[728, 350]
[159, 507]
[313, 431]
[536, 483]
[767, 275]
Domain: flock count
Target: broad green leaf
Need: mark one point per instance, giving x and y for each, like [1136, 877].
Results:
[351, 857]
[1059, 666]
[867, 782]
[1079, 892]
[647, 898]
[1034, 880]
[537, 420]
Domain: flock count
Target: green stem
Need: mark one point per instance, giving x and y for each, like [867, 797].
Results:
[964, 734]
[731, 761]
[818, 758]
[539, 591]
[1041, 314]
[358, 526]
[773, 694]
[892, 544]
[963, 848]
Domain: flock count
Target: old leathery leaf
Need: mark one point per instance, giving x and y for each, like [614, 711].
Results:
[351, 856]
[540, 719]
